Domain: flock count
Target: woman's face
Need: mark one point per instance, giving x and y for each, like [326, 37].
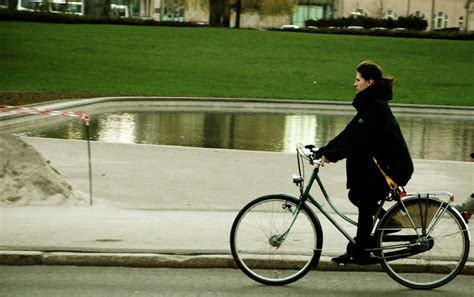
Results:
[361, 84]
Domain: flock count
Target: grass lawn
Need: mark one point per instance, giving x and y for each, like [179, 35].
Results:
[135, 60]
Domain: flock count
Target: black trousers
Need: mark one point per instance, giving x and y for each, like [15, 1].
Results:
[367, 201]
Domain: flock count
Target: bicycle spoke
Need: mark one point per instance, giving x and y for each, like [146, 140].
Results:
[270, 245]
[439, 236]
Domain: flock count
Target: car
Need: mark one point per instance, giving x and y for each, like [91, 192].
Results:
[355, 28]
[289, 27]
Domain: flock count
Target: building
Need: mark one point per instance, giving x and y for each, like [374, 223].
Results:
[445, 13]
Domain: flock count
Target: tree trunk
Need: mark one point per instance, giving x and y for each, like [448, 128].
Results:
[226, 13]
[433, 18]
[238, 9]
[215, 13]
[466, 18]
[219, 13]
[12, 4]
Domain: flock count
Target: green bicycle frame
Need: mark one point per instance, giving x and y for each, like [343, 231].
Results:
[306, 196]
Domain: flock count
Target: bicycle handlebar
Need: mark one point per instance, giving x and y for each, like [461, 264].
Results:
[312, 156]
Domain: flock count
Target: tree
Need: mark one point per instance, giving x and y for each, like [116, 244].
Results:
[220, 10]
[97, 8]
[238, 11]
[219, 13]
[12, 4]
[268, 7]
[466, 17]
[377, 9]
[277, 7]
[264, 7]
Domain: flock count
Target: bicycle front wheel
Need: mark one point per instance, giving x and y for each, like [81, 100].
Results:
[423, 245]
[275, 240]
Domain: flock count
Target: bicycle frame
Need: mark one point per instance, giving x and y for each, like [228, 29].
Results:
[306, 196]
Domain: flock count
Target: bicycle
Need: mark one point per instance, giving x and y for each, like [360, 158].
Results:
[277, 239]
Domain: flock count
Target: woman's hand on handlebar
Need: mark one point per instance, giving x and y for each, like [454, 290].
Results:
[324, 160]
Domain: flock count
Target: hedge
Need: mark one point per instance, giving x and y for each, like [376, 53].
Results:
[409, 23]
[46, 17]
[389, 33]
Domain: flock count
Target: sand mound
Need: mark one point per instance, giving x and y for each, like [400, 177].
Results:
[26, 178]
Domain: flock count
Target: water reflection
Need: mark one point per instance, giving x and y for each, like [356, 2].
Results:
[428, 137]
[299, 129]
[117, 128]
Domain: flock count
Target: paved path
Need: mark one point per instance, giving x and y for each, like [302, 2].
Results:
[174, 205]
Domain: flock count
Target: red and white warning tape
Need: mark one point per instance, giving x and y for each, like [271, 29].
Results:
[47, 111]
[44, 111]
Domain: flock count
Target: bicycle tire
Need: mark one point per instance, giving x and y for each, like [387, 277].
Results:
[253, 246]
[436, 256]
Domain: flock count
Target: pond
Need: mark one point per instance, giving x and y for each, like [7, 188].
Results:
[428, 137]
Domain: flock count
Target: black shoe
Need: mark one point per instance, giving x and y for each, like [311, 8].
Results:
[364, 259]
[344, 259]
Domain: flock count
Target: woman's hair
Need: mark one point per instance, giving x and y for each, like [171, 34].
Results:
[369, 70]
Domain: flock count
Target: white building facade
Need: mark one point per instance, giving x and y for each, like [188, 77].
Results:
[444, 13]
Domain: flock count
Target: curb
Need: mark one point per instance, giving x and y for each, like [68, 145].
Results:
[155, 260]
[261, 104]
[23, 258]
[344, 104]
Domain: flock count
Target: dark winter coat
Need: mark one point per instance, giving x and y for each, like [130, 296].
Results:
[373, 132]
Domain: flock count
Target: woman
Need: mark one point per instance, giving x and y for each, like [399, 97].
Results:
[373, 133]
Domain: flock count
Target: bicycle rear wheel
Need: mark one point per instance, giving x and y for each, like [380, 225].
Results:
[424, 247]
[272, 247]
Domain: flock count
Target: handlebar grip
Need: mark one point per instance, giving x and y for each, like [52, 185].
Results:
[317, 154]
